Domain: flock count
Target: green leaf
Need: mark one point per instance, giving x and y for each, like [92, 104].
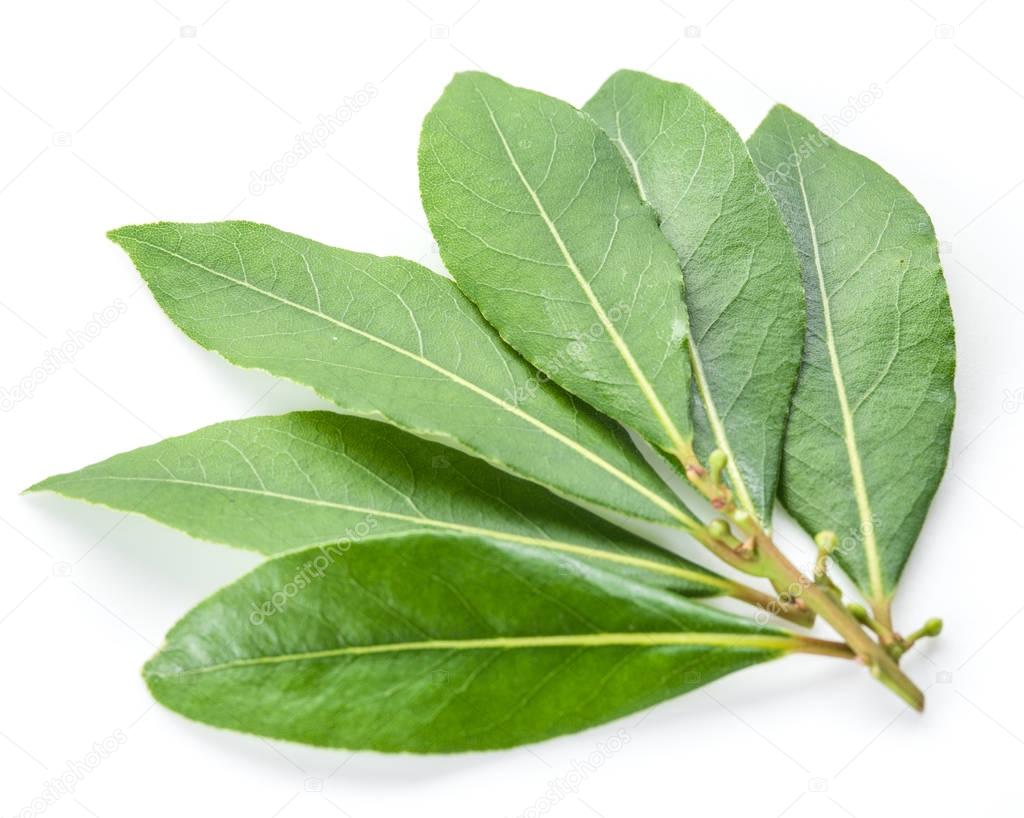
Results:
[538, 220]
[431, 643]
[869, 431]
[274, 484]
[743, 291]
[389, 339]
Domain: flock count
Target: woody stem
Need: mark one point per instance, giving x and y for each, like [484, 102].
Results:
[765, 559]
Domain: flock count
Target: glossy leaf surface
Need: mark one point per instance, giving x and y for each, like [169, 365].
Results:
[428, 643]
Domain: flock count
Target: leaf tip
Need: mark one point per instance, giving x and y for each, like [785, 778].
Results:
[623, 74]
[782, 112]
[46, 484]
[471, 78]
[120, 234]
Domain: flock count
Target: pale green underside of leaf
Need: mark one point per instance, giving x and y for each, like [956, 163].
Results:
[743, 291]
[427, 643]
[276, 484]
[389, 339]
[539, 222]
[869, 432]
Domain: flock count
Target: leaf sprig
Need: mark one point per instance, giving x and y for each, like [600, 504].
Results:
[450, 561]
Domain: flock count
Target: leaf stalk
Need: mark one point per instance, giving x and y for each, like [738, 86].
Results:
[759, 556]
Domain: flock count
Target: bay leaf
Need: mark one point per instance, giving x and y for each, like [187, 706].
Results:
[868, 435]
[388, 339]
[541, 225]
[287, 482]
[429, 643]
[743, 290]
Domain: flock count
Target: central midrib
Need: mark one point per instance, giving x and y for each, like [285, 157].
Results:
[714, 420]
[662, 416]
[584, 640]
[688, 522]
[721, 437]
[633, 161]
[554, 545]
[849, 432]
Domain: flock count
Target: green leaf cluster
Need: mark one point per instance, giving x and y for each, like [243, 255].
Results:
[460, 557]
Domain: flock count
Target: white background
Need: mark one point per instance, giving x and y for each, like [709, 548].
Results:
[126, 112]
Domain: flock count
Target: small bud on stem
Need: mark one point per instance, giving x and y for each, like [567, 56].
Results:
[719, 528]
[859, 612]
[826, 541]
[717, 461]
[741, 518]
[933, 627]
